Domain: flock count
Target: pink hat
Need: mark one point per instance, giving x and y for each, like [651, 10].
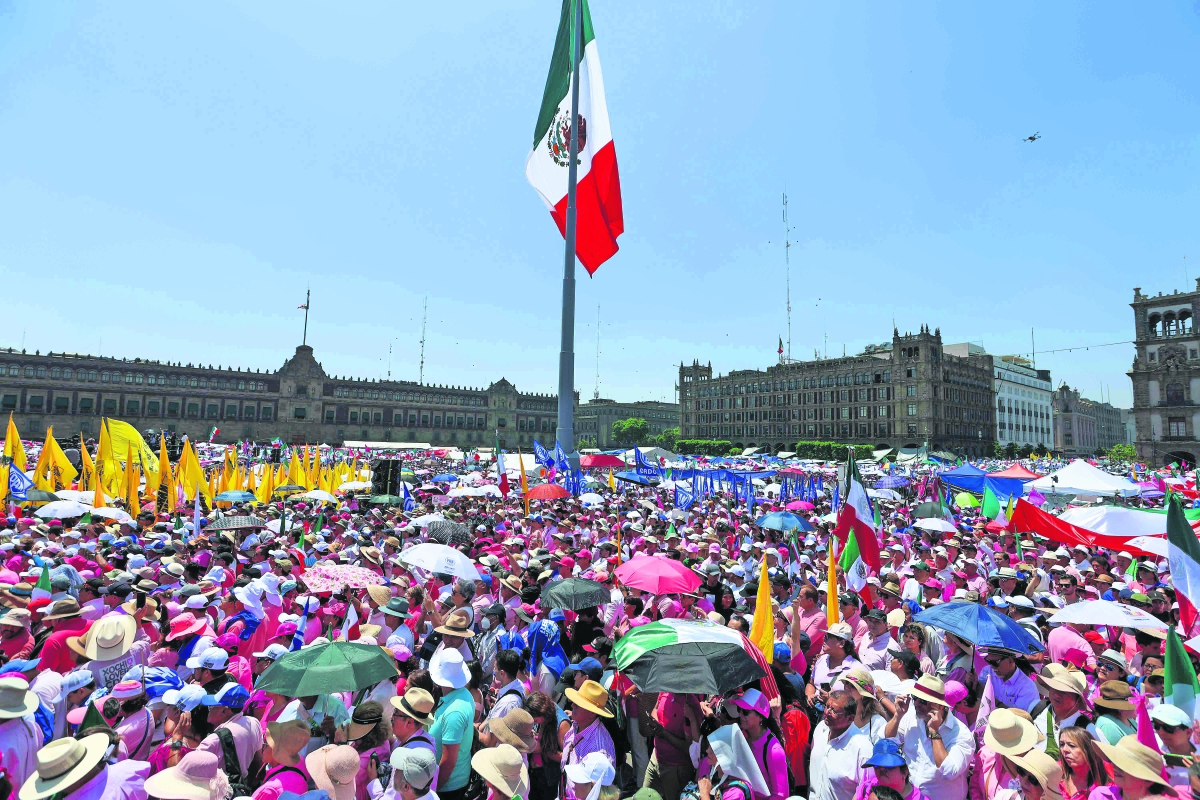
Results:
[753, 700]
[955, 692]
[567, 562]
[285, 629]
[184, 624]
[227, 642]
[934, 583]
[585, 554]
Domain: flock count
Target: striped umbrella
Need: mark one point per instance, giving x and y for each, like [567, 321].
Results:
[686, 656]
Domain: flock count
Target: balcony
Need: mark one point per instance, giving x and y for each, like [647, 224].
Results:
[1173, 332]
[1177, 439]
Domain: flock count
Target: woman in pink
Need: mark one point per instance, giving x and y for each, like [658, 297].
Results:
[888, 768]
[727, 768]
[369, 733]
[766, 743]
[285, 771]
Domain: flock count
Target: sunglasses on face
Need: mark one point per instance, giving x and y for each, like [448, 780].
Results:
[993, 663]
[1165, 728]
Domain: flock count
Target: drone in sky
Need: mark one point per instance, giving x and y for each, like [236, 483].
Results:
[1033, 138]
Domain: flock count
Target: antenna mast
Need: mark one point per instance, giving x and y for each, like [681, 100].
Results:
[787, 260]
[596, 393]
[424, 317]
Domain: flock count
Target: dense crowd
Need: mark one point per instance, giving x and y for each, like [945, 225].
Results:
[146, 658]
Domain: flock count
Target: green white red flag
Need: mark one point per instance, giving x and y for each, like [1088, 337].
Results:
[599, 219]
[1183, 554]
[855, 516]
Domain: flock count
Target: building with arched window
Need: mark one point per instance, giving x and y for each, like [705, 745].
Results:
[1166, 376]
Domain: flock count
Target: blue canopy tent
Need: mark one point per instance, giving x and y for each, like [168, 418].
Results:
[972, 479]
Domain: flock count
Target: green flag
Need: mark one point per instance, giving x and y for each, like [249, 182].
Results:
[991, 506]
[1051, 740]
[1180, 685]
[42, 589]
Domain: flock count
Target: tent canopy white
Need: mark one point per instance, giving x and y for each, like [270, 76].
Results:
[652, 455]
[1080, 477]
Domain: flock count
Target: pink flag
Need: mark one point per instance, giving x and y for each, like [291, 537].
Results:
[1145, 728]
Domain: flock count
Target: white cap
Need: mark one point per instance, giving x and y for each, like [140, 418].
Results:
[212, 658]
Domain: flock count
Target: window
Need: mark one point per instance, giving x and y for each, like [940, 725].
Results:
[1175, 394]
[55, 373]
[36, 403]
[231, 411]
[85, 405]
[14, 371]
[354, 416]
[248, 412]
[329, 416]
[1177, 427]
[8, 402]
[131, 406]
[172, 409]
[437, 421]
[193, 382]
[266, 413]
[909, 372]
[41, 372]
[214, 410]
[110, 406]
[151, 407]
[301, 391]
[193, 410]
[129, 377]
[299, 412]
[378, 416]
[61, 405]
[912, 429]
[66, 373]
[29, 371]
[910, 390]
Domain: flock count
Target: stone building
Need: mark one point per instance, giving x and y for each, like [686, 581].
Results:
[907, 392]
[1083, 427]
[594, 420]
[298, 403]
[1024, 403]
[1166, 376]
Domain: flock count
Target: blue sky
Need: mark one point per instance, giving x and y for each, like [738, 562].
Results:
[175, 175]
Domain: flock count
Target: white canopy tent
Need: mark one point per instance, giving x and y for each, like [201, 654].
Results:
[652, 455]
[1080, 477]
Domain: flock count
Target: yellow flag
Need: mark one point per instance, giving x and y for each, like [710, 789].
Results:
[42, 467]
[296, 470]
[251, 486]
[62, 471]
[132, 479]
[191, 475]
[13, 449]
[85, 459]
[524, 480]
[833, 613]
[762, 632]
[106, 464]
[612, 483]
[164, 495]
[121, 434]
[3, 485]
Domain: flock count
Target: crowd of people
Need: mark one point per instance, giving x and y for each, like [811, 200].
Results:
[134, 654]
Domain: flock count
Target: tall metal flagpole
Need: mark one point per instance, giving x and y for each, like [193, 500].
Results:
[566, 356]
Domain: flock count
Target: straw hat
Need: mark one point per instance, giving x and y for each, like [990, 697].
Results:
[334, 768]
[380, 594]
[416, 704]
[1115, 695]
[591, 696]
[110, 637]
[515, 728]
[195, 777]
[287, 739]
[366, 718]
[457, 623]
[1009, 734]
[1045, 770]
[1064, 681]
[930, 689]
[503, 767]
[67, 607]
[1130, 755]
[62, 763]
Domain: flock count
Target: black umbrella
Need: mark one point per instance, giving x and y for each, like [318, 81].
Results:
[449, 533]
[40, 496]
[575, 593]
[928, 510]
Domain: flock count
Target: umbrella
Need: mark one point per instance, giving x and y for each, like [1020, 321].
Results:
[387, 499]
[327, 669]
[965, 500]
[447, 532]
[425, 519]
[575, 593]
[547, 491]
[320, 494]
[929, 509]
[234, 496]
[350, 486]
[41, 496]
[891, 482]
[784, 521]
[800, 505]
[591, 499]
[687, 656]
[601, 460]
[62, 509]
[1103, 612]
[115, 514]
[434, 557]
[290, 488]
[1151, 544]
[633, 477]
[408, 475]
[332, 577]
[657, 575]
[934, 525]
[237, 523]
[444, 478]
[76, 495]
[980, 625]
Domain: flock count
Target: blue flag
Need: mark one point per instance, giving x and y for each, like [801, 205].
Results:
[560, 458]
[19, 483]
[541, 456]
[643, 467]
[409, 503]
[683, 498]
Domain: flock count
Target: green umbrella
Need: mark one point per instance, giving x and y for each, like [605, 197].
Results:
[575, 593]
[290, 488]
[965, 500]
[326, 669]
[386, 499]
[927, 510]
[686, 656]
[40, 496]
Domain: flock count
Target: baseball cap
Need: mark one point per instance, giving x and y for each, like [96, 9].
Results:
[212, 658]
[231, 695]
[185, 698]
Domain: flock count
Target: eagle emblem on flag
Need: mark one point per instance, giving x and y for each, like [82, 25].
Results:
[559, 140]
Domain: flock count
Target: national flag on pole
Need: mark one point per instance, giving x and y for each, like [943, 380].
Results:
[1180, 687]
[762, 632]
[1183, 555]
[853, 566]
[501, 473]
[855, 515]
[19, 483]
[599, 219]
[780, 345]
[350, 629]
[409, 503]
[42, 589]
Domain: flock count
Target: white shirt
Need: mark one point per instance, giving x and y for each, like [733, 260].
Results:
[912, 590]
[836, 765]
[948, 780]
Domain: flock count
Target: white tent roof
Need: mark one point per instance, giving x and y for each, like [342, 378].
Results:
[1080, 477]
[1117, 521]
[652, 454]
[513, 462]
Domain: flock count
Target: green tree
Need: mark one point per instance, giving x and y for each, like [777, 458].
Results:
[1010, 450]
[1026, 451]
[667, 440]
[997, 450]
[1123, 453]
[630, 432]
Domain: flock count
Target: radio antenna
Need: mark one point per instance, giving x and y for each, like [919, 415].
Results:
[424, 318]
[787, 259]
[596, 393]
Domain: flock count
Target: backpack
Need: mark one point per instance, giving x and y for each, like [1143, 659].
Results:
[767, 762]
[238, 782]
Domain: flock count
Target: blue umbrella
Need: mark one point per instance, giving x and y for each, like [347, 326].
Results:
[633, 477]
[891, 482]
[444, 478]
[784, 521]
[980, 625]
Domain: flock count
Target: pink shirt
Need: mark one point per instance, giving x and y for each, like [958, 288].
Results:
[1063, 638]
[772, 762]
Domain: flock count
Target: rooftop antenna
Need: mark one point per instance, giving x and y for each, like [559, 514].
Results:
[787, 260]
[389, 361]
[424, 318]
[596, 393]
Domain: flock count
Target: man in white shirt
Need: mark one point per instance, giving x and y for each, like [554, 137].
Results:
[912, 586]
[839, 750]
[938, 747]
[873, 648]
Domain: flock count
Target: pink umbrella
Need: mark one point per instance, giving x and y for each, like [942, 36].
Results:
[657, 575]
[800, 505]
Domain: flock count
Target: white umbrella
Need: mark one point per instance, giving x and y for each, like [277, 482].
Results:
[320, 494]
[1105, 612]
[350, 486]
[61, 509]
[425, 519]
[933, 524]
[434, 557]
[467, 491]
[591, 499]
[76, 495]
[273, 525]
[115, 514]
[883, 494]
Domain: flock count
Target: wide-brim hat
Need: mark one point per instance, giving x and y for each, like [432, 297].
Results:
[1130, 755]
[930, 689]
[456, 624]
[1114, 695]
[131, 607]
[591, 696]
[109, 637]
[61, 764]
[503, 767]
[365, 719]
[380, 594]
[67, 607]
[1009, 734]
[334, 769]
[448, 669]
[287, 740]
[193, 778]
[397, 607]
[416, 704]
[515, 728]
[1047, 771]
[1065, 681]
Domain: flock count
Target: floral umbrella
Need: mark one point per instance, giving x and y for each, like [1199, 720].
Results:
[332, 577]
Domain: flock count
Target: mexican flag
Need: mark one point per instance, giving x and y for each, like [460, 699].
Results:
[1183, 554]
[853, 565]
[855, 516]
[1181, 686]
[599, 219]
